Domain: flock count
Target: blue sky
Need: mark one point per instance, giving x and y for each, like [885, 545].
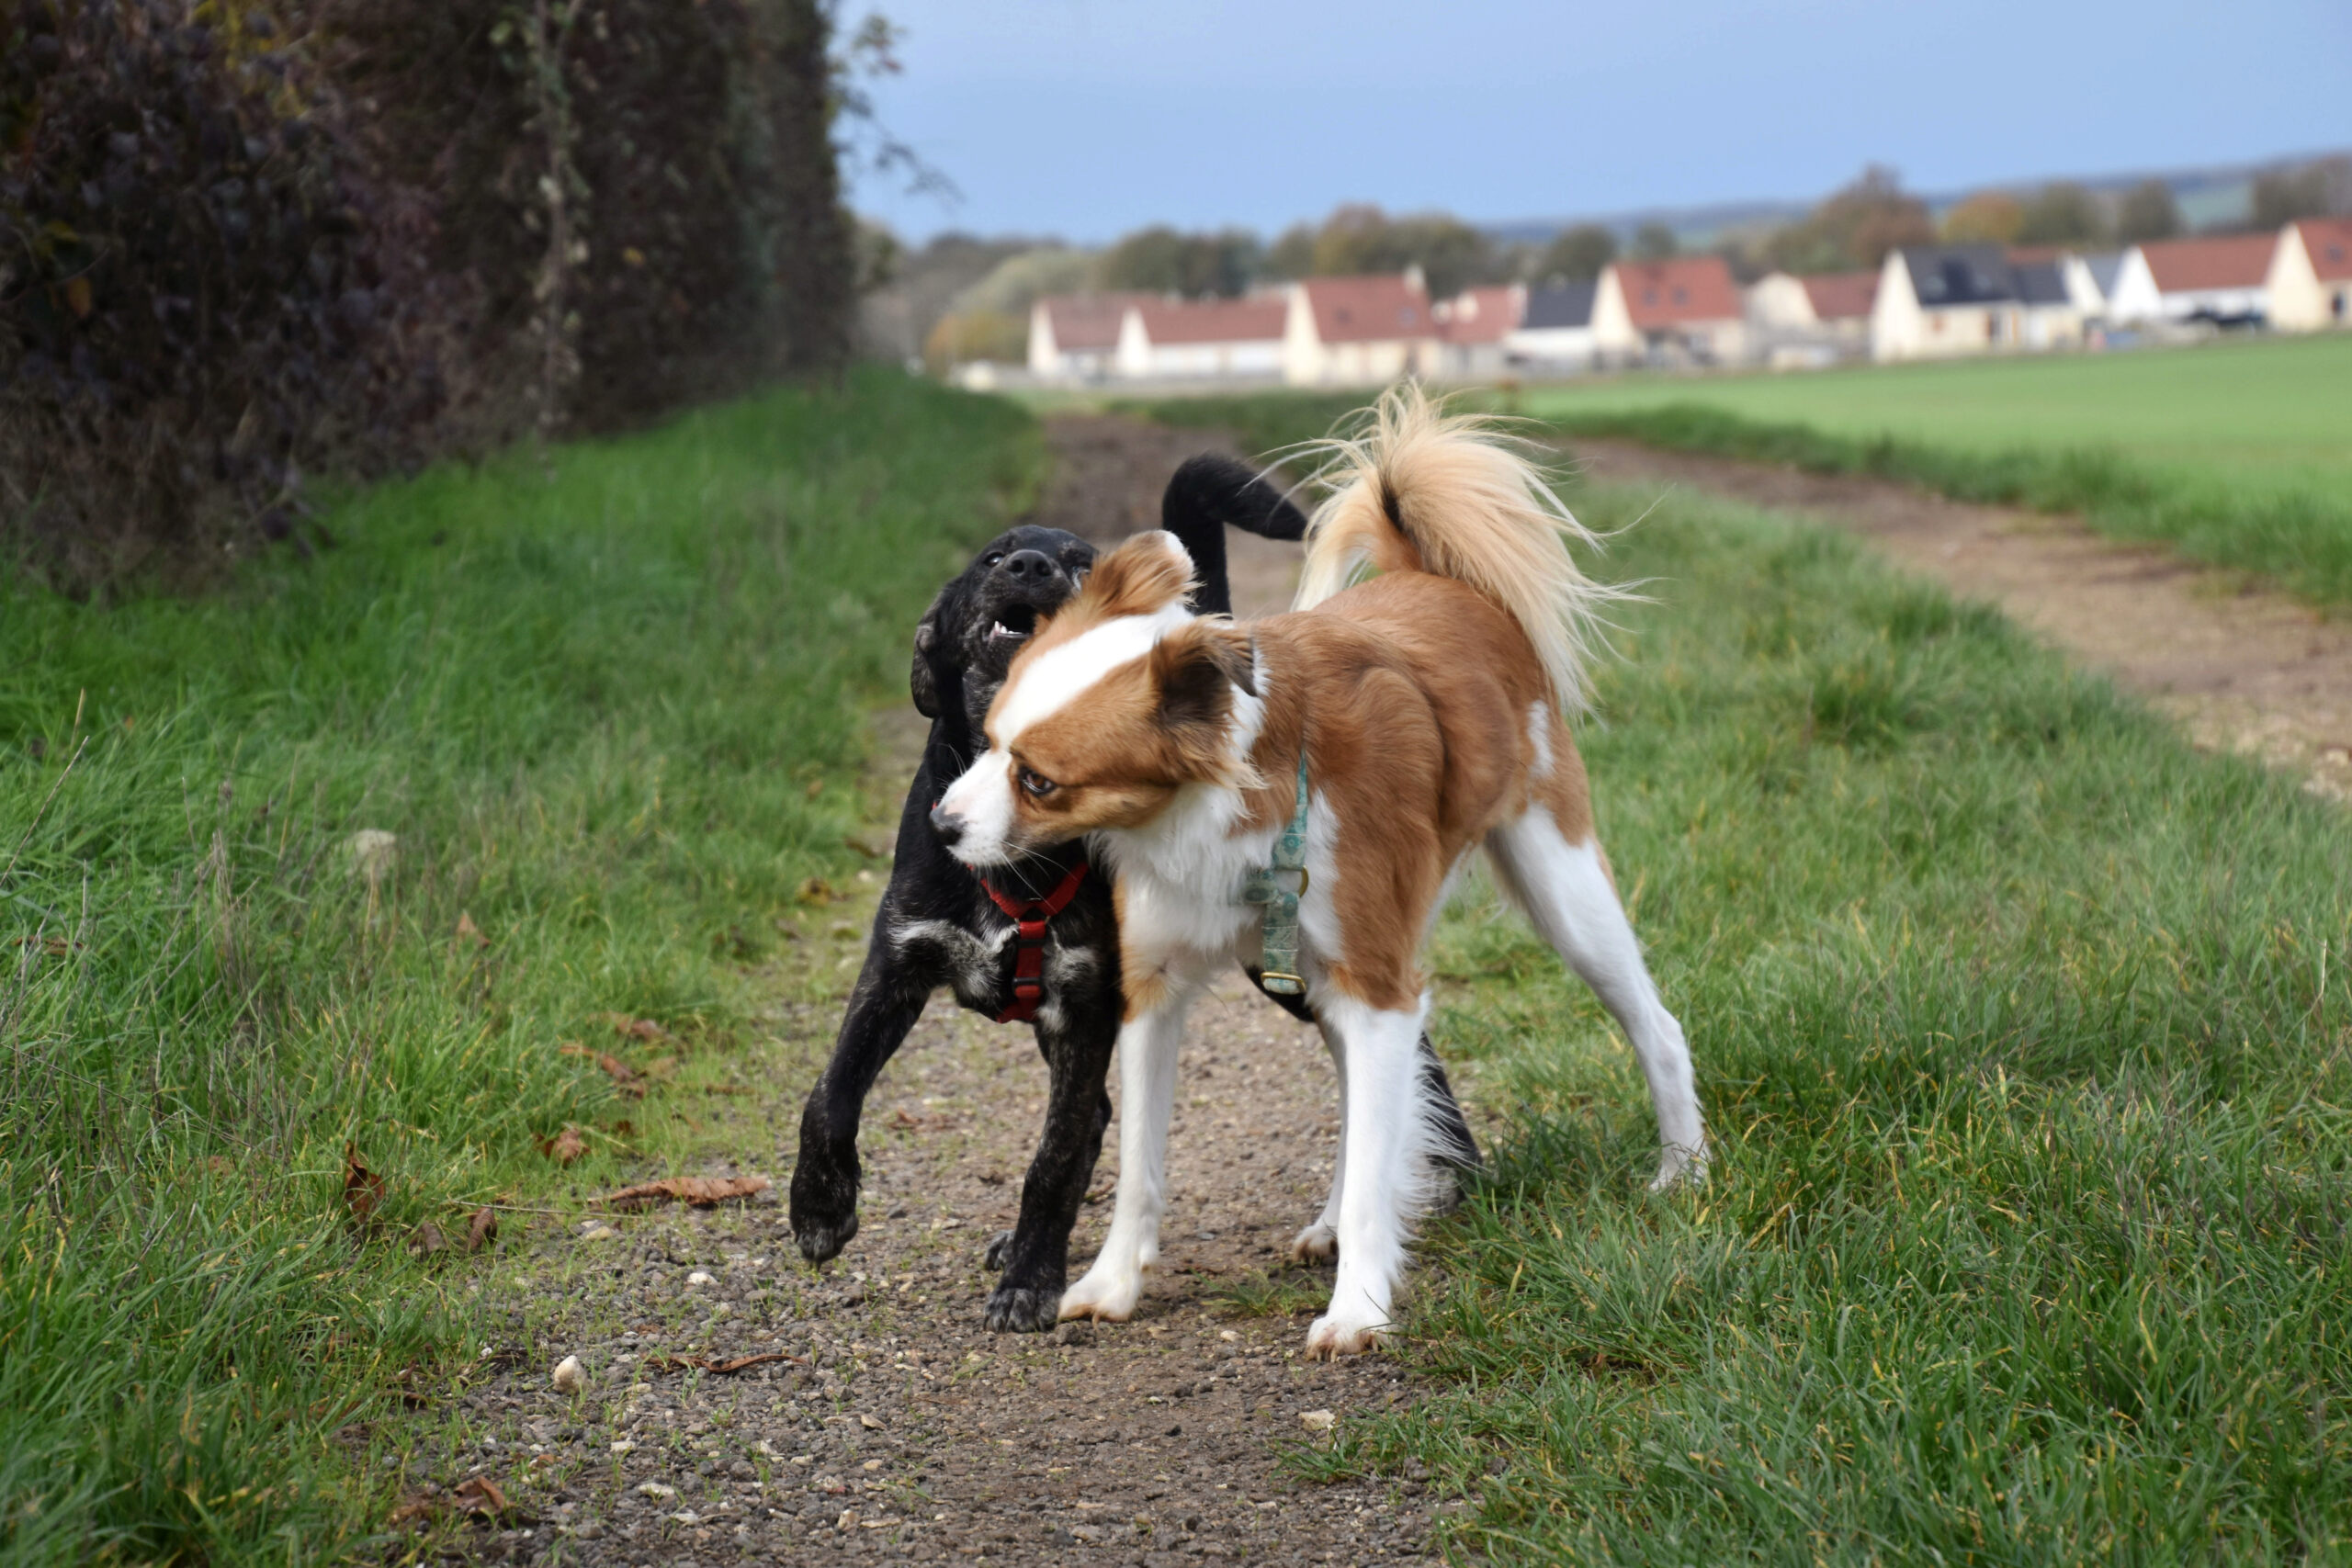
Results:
[1088, 118]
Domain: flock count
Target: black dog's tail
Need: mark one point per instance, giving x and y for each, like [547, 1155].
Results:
[1207, 493]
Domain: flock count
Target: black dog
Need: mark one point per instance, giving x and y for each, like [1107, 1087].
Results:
[1042, 946]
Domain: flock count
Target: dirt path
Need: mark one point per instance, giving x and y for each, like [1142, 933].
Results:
[900, 1430]
[2243, 670]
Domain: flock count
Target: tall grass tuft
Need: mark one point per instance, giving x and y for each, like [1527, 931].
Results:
[600, 714]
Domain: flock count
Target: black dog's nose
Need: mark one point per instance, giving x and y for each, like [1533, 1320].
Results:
[1028, 566]
[949, 828]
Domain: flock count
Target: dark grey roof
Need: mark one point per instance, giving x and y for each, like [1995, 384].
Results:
[1561, 305]
[1959, 275]
[2039, 283]
[2104, 268]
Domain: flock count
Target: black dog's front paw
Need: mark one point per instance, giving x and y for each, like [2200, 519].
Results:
[822, 1240]
[1022, 1310]
[1000, 1248]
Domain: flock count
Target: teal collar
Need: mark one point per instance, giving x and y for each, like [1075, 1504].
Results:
[1267, 887]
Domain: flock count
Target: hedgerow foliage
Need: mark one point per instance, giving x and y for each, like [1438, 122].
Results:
[241, 244]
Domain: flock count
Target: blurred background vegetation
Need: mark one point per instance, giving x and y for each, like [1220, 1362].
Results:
[242, 244]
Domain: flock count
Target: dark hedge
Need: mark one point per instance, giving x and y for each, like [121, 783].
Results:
[240, 245]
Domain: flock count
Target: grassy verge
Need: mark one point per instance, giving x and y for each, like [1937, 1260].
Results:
[2026, 1034]
[604, 709]
[2299, 536]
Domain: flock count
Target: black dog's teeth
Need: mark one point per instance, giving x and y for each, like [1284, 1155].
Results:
[1001, 629]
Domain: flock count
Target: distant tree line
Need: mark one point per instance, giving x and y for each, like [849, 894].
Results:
[242, 242]
[962, 298]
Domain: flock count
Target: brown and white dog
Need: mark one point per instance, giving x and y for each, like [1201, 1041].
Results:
[1427, 703]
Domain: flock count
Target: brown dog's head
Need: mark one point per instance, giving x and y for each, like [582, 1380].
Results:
[1119, 701]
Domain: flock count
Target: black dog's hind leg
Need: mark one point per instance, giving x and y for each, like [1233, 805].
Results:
[825, 1177]
[1035, 1254]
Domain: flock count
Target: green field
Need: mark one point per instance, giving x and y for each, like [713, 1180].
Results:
[2271, 412]
[2238, 454]
[609, 707]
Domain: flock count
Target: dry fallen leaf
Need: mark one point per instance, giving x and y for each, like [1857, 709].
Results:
[565, 1146]
[712, 1364]
[701, 1191]
[817, 890]
[481, 1230]
[422, 1503]
[620, 1071]
[637, 1028]
[468, 931]
[480, 1494]
[425, 1240]
[77, 295]
[363, 1190]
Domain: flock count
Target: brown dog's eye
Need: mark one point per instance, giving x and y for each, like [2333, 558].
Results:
[1037, 783]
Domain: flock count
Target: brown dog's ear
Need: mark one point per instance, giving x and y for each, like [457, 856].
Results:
[924, 680]
[1195, 667]
[1148, 572]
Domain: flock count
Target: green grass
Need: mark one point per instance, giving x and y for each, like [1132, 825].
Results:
[608, 706]
[2024, 1033]
[2261, 410]
[2026, 1036]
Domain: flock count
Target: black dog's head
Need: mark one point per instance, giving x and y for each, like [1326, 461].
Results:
[968, 637]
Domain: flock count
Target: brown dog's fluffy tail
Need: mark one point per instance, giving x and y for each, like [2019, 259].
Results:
[1418, 489]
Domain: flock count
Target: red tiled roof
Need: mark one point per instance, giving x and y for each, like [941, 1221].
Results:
[1088, 320]
[1841, 296]
[1684, 288]
[2219, 261]
[1479, 315]
[2329, 241]
[1213, 320]
[1368, 309]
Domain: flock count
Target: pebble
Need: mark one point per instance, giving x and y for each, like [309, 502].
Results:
[698, 1277]
[571, 1377]
[1316, 1420]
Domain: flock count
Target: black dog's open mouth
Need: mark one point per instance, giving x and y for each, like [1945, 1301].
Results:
[1014, 624]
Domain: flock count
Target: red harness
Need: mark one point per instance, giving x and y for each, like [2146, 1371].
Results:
[1029, 943]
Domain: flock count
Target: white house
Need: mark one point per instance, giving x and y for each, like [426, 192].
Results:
[1681, 309]
[1472, 328]
[1359, 332]
[1073, 337]
[2309, 282]
[1812, 319]
[1555, 331]
[1944, 301]
[1220, 339]
[2221, 278]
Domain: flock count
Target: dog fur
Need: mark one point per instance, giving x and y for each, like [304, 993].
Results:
[1427, 705]
[936, 925]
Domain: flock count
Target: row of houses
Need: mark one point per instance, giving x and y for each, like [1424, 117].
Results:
[1936, 301]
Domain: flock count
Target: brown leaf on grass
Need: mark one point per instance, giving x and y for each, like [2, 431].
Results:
[699, 1191]
[363, 1190]
[421, 1503]
[712, 1364]
[565, 1146]
[425, 1240]
[624, 1128]
[725, 1088]
[637, 1028]
[480, 1494]
[817, 890]
[816, 787]
[468, 931]
[620, 1071]
[481, 1230]
[77, 296]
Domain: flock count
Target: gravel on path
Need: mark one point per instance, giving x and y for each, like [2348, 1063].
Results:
[887, 1425]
